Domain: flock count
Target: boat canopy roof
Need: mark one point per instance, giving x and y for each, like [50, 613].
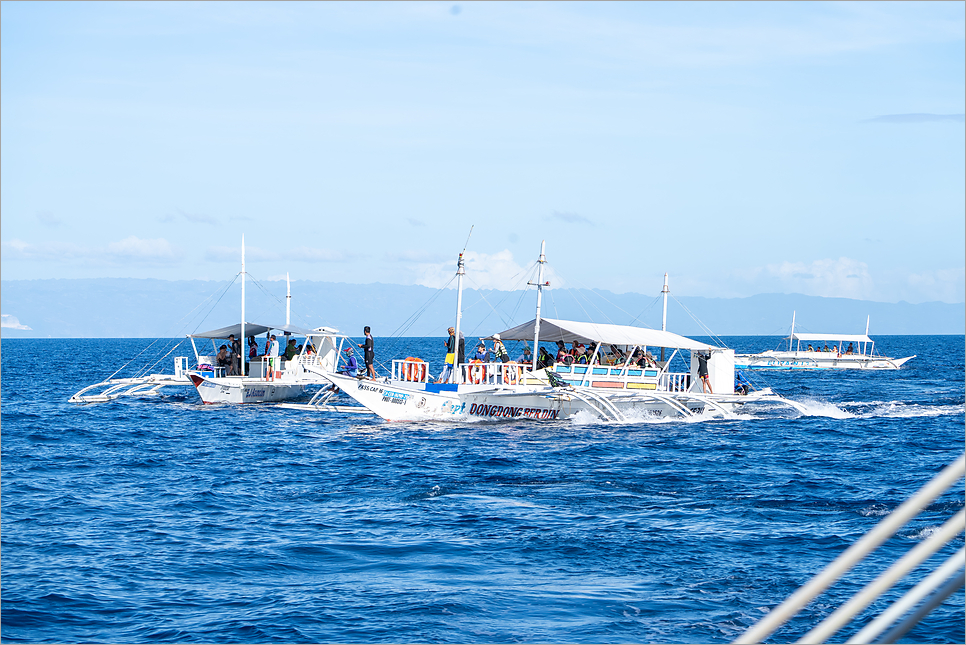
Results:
[849, 338]
[254, 329]
[584, 332]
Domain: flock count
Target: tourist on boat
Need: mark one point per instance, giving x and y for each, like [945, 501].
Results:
[234, 355]
[369, 353]
[617, 356]
[544, 359]
[252, 347]
[580, 358]
[482, 354]
[291, 350]
[499, 351]
[526, 357]
[742, 386]
[810, 348]
[563, 356]
[222, 359]
[826, 349]
[351, 367]
[850, 349]
[271, 352]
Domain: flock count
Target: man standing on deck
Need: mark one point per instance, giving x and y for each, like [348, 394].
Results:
[368, 353]
[272, 353]
[703, 373]
[450, 356]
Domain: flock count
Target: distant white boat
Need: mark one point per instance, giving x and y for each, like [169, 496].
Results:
[859, 354]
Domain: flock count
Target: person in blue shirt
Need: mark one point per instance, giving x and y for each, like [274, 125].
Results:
[742, 386]
[351, 367]
[481, 354]
[526, 357]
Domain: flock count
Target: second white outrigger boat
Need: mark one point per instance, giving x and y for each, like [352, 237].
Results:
[858, 355]
[265, 379]
[606, 388]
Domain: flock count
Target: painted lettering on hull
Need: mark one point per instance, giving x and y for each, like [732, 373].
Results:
[511, 412]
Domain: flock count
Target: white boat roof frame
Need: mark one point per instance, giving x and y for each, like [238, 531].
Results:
[569, 331]
[850, 338]
[255, 329]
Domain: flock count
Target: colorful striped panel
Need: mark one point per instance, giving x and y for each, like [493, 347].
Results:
[562, 369]
[580, 370]
[642, 386]
[600, 370]
[606, 384]
[650, 372]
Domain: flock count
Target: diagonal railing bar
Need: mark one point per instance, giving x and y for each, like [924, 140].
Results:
[855, 553]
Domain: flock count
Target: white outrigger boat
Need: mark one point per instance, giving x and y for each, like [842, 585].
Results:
[264, 380]
[603, 388]
[858, 355]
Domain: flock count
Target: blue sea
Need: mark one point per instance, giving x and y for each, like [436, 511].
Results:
[163, 520]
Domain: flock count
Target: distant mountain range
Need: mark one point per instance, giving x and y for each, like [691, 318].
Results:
[134, 308]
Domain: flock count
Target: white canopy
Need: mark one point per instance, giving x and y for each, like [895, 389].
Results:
[848, 338]
[584, 332]
[254, 329]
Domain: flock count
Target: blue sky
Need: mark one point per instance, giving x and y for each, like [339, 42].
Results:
[743, 148]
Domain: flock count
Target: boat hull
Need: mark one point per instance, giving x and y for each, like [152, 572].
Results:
[240, 390]
[816, 361]
[405, 401]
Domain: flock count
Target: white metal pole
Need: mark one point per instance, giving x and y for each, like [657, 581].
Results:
[288, 301]
[664, 291]
[460, 272]
[542, 260]
[793, 332]
[243, 339]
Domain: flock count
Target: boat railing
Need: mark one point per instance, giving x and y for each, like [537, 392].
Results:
[908, 610]
[497, 373]
[410, 369]
[674, 382]
[180, 366]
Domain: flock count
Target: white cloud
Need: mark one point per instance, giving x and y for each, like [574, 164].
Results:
[945, 285]
[129, 250]
[258, 254]
[133, 248]
[196, 218]
[49, 219]
[842, 278]
[11, 322]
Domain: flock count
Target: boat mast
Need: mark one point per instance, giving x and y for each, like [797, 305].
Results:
[242, 333]
[460, 272]
[288, 301]
[664, 291]
[540, 285]
[793, 332]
